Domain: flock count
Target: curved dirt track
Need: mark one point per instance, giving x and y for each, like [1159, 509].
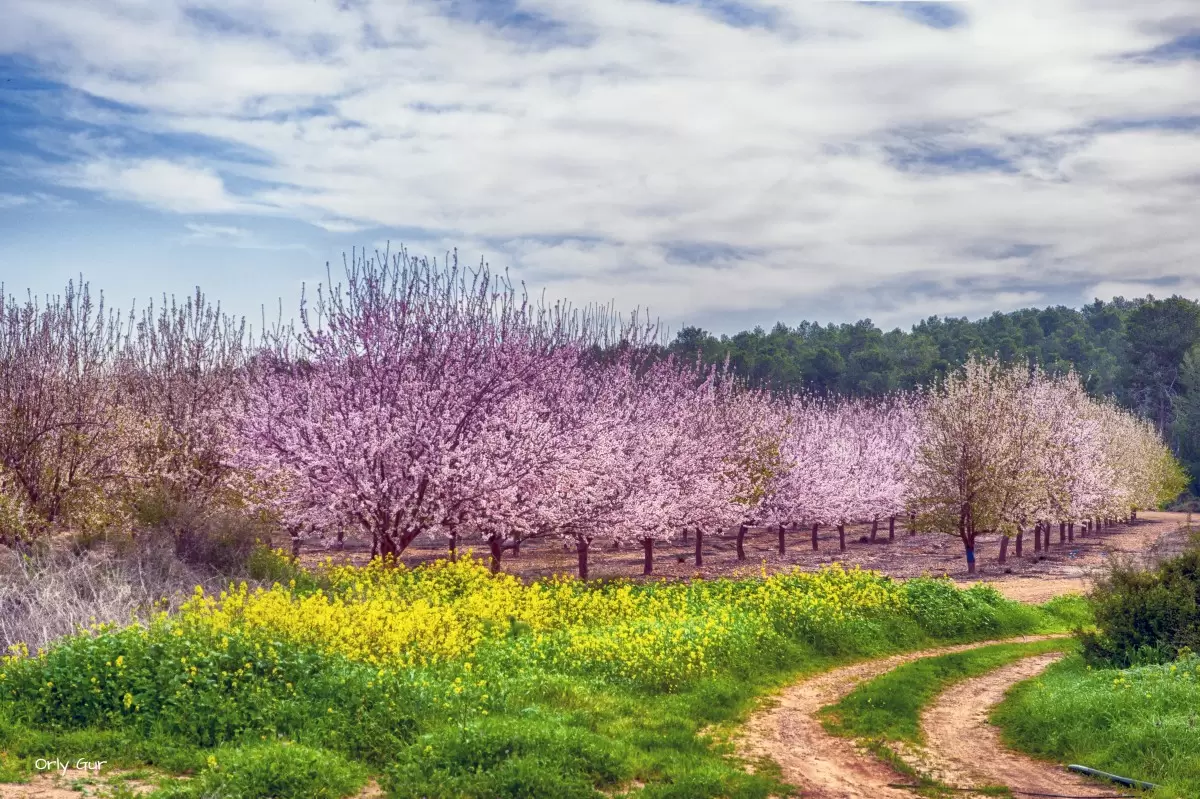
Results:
[823, 765]
[963, 749]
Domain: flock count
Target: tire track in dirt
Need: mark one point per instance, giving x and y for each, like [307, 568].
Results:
[964, 749]
[824, 766]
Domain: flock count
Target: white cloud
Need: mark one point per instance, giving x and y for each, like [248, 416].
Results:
[156, 182]
[203, 231]
[589, 165]
[235, 237]
[36, 199]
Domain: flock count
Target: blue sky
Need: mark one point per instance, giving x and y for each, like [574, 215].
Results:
[722, 163]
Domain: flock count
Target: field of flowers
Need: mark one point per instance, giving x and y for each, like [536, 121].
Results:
[447, 681]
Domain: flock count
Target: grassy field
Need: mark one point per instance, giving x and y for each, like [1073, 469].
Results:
[446, 681]
[1139, 722]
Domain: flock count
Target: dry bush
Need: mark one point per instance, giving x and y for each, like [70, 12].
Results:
[51, 593]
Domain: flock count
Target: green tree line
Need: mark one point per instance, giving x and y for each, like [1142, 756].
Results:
[1143, 352]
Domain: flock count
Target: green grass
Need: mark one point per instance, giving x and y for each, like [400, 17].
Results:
[270, 770]
[1141, 722]
[520, 719]
[889, 707]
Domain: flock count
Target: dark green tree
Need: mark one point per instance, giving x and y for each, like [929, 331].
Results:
[1160, 333]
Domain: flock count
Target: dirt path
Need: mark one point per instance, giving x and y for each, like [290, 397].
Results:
[963, 749]
[52, 786]
[822, 765]
[1158, 534]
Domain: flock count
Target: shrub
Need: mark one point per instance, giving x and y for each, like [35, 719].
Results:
[276, 566]
[207, 534]
[277, 769]
[506, 758]
[48, 594]
[945, 611]
[1146, 616]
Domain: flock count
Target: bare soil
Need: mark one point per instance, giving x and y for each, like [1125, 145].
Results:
[964, 750]
[52, 785]
[822, 765]
[1034, 577]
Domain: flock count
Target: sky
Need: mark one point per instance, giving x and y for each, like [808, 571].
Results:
[720, 163]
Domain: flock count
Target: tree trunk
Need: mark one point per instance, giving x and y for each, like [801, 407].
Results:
[516, 548]
[340, 543]
[814, 535]
[1132, 515]
[296, 544]
[581, 549]
[966, 533]
[494, 544]
[1062, 532]
[741, 537]
[1037, 537]
[388, 548]
[892, 528]
[453, 545]
[648, 562]
[842, 536]
[699, 544]
[1071, 532]
[1020, 537]
[874, 529]
[912, 523]
[1004, 549]
[782, 540]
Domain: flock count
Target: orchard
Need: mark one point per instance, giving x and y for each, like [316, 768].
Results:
[415, 401]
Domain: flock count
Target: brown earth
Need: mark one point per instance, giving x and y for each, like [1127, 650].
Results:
[822, 765]
[52, 785]
[963, 749]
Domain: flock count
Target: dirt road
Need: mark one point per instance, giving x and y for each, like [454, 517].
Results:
[823, 765]
[963, 749]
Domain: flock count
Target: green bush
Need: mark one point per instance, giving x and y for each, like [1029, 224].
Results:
[276, 566]
[205, 689]
[945, 611]
[1146, 616]
[524, 757]
[270, 771]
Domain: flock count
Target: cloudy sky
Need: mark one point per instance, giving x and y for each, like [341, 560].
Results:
[725, 164]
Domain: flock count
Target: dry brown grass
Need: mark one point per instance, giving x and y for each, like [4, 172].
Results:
[53, 592]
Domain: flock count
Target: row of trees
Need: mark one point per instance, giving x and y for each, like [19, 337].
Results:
[418, 400]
